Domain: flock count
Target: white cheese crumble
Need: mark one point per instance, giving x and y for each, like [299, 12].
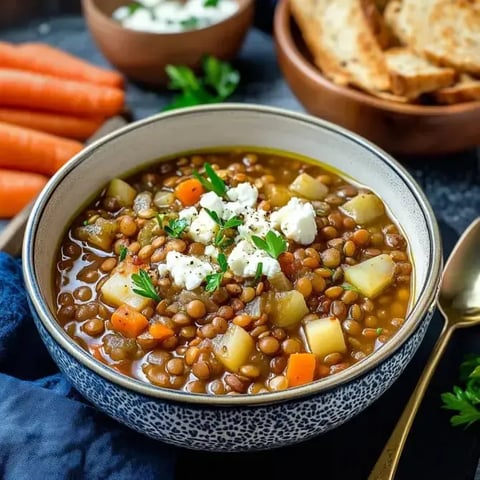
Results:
[212, 202]
[244, 260]
[296, 220]
[203, 228]
[186, 271]
[188, 214]
[255, 222]
[244, 193]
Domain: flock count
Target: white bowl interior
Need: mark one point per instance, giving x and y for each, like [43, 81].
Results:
[226, 126]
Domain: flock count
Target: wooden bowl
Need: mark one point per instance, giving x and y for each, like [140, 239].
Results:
[398, 128]
[142, 56]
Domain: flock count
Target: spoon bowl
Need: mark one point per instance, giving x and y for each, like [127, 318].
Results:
[459, 303]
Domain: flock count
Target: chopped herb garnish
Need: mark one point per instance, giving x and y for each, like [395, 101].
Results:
[213, 182]
[259, 271]
[135, 5]
[219, 81]
[379, 330]
[176, 227]
[221, 240]
[144, 285]
[210, 3]
[349, 286]
[85, 222]
[465, 400]
[123, 253]
[214, 280]
[189, 23]
[160, 217]
[273, 244]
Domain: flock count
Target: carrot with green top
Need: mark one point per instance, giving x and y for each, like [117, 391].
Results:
[189, 191]
[69, 126]
[45, 59]
[300, 369]
[17, 190]
[44, 92]
[29, 150]
[128, 321]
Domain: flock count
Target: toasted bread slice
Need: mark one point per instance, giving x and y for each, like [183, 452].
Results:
[342, 42]
[412, 75]
[466, 90]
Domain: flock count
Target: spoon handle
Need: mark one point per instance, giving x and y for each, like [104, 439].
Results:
[387, 463]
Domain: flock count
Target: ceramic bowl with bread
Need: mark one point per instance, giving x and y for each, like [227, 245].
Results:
[403, 74]
[143, 48]
[272, 329]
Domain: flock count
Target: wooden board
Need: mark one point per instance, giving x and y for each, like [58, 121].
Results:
[11, 237]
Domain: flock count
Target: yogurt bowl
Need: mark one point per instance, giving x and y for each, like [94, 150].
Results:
[231, 422]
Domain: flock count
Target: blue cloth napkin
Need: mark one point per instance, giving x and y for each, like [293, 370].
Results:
[47, 431]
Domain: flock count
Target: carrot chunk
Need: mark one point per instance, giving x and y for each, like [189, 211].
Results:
[160, 332]
[17, 190]
[300, 369]
[128, 321]
[189, 191]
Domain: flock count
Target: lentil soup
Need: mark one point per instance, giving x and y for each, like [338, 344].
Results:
[233, 272]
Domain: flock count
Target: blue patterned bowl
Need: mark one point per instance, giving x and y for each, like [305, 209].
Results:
[241, 422]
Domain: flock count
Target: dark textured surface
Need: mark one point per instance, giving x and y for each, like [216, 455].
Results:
[452, 184]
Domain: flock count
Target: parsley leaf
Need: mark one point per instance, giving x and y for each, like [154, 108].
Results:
[221, 240]
[123, 253]
[219, 81]
[144, 285]
[189, 23]
[160, 217]
[176, 227]
[259, 271]
[349, 286]
[212, 182]
[273, 244]
[135, 5]
[214, 280]
[465, 401]
[379, 330]
[210, 3]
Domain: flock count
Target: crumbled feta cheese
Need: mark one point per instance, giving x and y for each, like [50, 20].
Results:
[188, 214]
[255, 222]
[296, 220]
[186, 271]
[211, 251]
[213, 202]
[203, 228]
[244, 193]
[244, 260]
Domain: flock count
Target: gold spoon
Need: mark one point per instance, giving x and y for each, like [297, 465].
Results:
[459, 303]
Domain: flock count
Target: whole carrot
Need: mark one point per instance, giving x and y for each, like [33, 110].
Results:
[79, 128]
[17, 190]
[43, 58]
[32, 151]
[32, 90]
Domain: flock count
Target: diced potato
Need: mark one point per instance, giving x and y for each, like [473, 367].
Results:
[234, 347]
[163, 199]
[118, 289]
[277, 195]
[372, 276]
[325, 336]
[99, 234]
[364, 208]
[122, 191]
[307, 186]
[286, 309]
[280, 282]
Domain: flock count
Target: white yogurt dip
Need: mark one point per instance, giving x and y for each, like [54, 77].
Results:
[171, 16]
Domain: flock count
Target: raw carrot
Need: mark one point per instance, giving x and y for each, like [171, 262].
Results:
[29, 150]
[128, 321]
[300, 368]
[17, 190]
[159, 331]
[79, 128]
[43, 58]
[32, 90]
[189, 191]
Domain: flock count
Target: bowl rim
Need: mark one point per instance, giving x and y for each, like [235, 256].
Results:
[285, 42]
[243, 6]
[424, 303]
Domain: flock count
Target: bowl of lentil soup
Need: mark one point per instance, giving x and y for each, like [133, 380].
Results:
[263, 281]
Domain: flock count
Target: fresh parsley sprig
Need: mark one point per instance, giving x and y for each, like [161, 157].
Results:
[123, 253]
[221, 240]
[218, 82]
[464, 401]
[212, 182]
[135, 5]
[259, 271]
[273, 244]
[144, 285]
[210, 3]
[176, 227]
[214, 280]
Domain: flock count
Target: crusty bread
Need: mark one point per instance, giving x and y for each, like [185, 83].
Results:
[412, 75]
[342, 42]
[466, 90]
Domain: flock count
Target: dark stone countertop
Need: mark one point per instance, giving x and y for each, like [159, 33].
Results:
[452, 183]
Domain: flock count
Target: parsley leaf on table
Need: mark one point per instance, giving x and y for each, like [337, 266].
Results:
[464, 401]
[219, 81]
